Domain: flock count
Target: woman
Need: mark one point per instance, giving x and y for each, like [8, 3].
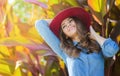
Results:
[69, 37]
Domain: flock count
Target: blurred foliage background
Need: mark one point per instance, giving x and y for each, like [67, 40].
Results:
[22, 50]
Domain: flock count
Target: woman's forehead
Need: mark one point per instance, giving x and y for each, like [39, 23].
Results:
[66, 20]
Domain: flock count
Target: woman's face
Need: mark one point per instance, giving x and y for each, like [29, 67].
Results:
[68, 26]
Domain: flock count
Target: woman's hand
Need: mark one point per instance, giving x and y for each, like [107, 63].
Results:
[49, 21]
[93, 34]
[96, 36]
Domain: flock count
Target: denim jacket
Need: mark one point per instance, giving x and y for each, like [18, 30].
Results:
[86, 64]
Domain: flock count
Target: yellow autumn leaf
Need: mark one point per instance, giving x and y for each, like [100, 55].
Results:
[17, 72]
[117, 2]
[29, 73]
[23, 50]
[51, 2]
[50, 14]
[17, 39]
[19, 48]
[73, 2]
[34, 35]
[15, 31]
[96, 5]
[5, 69]
[118, 38]
[4, 50]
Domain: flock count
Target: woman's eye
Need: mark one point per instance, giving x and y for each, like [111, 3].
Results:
[64, 26]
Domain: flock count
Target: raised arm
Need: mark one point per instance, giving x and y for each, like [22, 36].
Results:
[48, 36]
[109, 47]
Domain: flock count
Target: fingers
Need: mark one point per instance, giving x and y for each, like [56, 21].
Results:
[49, 20]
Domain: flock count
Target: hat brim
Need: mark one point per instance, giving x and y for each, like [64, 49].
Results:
[78, 12]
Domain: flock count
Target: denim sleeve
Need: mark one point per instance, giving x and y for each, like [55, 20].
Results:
[48, 36]
[109, 48]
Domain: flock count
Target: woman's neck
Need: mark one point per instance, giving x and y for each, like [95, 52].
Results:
[76, 38]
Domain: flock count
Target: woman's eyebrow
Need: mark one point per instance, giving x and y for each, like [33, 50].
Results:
[68, 21]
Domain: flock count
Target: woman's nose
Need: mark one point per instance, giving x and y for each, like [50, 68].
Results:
[68, 25]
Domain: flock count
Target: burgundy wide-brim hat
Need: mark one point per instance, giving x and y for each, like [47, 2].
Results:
[78, 12]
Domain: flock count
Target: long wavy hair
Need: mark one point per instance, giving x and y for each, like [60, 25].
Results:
[85, 41]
